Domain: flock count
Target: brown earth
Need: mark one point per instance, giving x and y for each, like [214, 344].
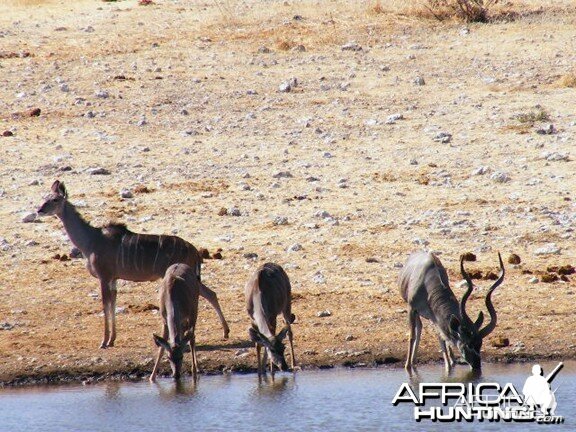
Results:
[388, 188]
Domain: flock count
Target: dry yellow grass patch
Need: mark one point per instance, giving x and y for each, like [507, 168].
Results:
[568, 80]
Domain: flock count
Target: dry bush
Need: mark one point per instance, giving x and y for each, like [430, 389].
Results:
[467, 10]
[568, 80]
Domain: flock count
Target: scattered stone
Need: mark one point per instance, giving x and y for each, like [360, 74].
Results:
[324, 313]
[98, 171]
[233, 211]
[64, 88]
[566, 270]
[283, 174]
[533, 280]
[223, 211]
[7, 133]
[102, 94]
[288, 86]
[349, 338]
[392, 119]
[126, 193]
[29, 217]
[251, 255]
[372, 260]
[555, 157]
[295, 247]
[280, 220]
[546, 130]
[299, 48]
[548, 249]
[34, 112]
[443, 137]
[500, 177]
[419, 81]
[6, 326]
[481, 170]
[469, 256]
[217, 256]
[500, 342]
[264, 50]
[318, 278]
[351, 46]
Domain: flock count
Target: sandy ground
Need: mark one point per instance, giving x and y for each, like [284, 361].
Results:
[183, 98]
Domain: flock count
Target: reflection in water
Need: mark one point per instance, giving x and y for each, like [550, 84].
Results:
[455, 375]
[274, 389]
[112, 390]
[182, 390]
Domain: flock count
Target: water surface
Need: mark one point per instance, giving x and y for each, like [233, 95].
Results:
[339, 399]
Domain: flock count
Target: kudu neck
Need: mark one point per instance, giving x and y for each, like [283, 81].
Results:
[81, 233]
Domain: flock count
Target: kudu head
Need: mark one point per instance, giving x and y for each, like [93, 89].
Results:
[471, 334]
[54, 202]
[175, 351]
[272, 345]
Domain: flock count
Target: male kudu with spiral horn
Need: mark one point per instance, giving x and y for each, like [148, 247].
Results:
[425, 287]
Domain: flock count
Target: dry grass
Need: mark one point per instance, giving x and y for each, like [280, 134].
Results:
[568, 80]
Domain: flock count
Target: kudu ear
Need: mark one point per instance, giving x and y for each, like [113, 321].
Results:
[257, 337]
[187, 337]
[479, 320]
[161, 342]
[59, 188]
[454, 324]
[282, 333]
[55, 186]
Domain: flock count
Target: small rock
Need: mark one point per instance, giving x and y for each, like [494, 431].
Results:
[318, 278]
[280, 220]
[250, 255]
[283, 174]
[514, 259]
[299, 48]
[233, 211]
[419, 81]
[264, 50]
[126, 193]
[217, 256]
[34, 112]
[324, 313]
[98, 171]
[547, 130]
[481, 170]
[469, 256]
[102, 94]
[288, 86]
[295, 247]
[7, 133]
[548, 249]
[351, 46]
[533, 280]
[391, 119]
[443, 137]
[29, 217]
[349, 338]
[549, 278]
[500, 177]
[555, 157]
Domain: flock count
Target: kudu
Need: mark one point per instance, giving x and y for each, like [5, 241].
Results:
[114, 252]
[425, 287]
[268, 293]
[179, 309]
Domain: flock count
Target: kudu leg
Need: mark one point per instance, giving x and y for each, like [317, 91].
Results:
[291, 347]
[258, 349]
[113, 294]
[210, 295]
[192, 343]
[159, 356]
[106, 299]
[445, 354]
[415, 330]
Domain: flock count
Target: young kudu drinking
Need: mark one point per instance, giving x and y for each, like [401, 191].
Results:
[114, 252]
[268, 293]
[424, 285]
[179, 308]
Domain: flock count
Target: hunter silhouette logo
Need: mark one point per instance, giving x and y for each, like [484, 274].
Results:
[537, 390]
[485, 401]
